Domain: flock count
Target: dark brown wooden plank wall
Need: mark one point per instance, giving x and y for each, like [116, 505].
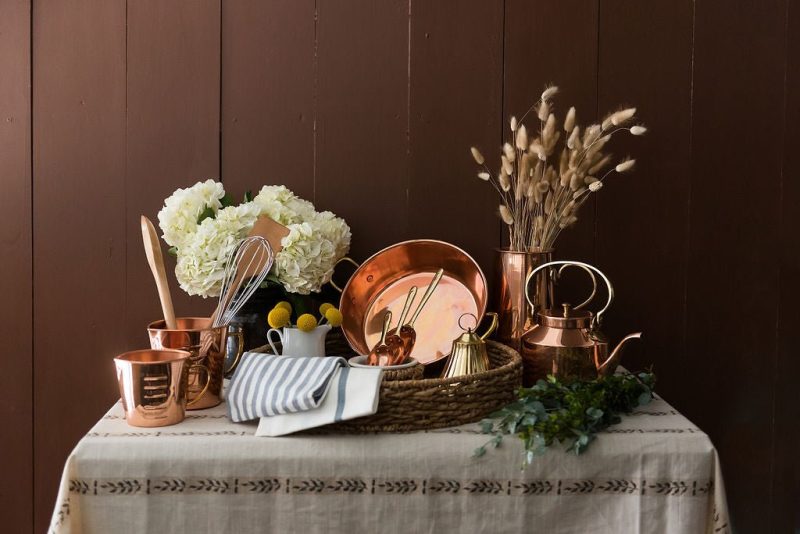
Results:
[268, 68]
[79, 231]
[642, 216]
[733, 235]
[785, 408]
[173, 87]
[456, 93]
[362, 118]
[16, 329]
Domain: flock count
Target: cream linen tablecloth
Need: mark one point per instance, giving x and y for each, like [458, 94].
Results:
[655, 472]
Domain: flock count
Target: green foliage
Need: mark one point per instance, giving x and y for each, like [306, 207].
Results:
[569, 413]
[205, 214]
[248, 196]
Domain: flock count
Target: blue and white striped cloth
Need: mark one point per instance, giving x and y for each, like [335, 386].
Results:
[265, 385]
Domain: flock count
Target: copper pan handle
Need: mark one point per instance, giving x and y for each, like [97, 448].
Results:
[347, 259]
[597, 318]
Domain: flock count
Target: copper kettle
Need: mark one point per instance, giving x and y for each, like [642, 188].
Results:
[567, 342]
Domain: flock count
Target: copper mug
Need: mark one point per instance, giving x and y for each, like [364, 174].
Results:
[207, 347]
[153, 386]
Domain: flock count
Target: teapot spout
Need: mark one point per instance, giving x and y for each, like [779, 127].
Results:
[612, 361]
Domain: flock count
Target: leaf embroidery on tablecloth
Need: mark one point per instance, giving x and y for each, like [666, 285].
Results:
[534, 487]
[210, 485]
[619, 486]
[669, 487]
[443, 486]
[263, 485]
[580, 486]
[121, 487]
[493, 487]
[171, 485]
[402, 487]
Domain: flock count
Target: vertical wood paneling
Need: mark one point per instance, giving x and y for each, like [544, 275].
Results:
[79, 231]
[16, 365]
[172, 132]
[361, 169]
[456, 92]
[786, 409]
[268, 95]
[642, 216]
[554, 42]
[734, 220]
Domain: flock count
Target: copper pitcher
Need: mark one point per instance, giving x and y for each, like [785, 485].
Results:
[567, 342]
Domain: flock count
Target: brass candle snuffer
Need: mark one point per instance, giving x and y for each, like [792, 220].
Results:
[567, 342]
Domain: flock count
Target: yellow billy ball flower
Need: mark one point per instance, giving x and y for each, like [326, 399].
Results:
[333, 316]
[278, 317]
[323, 309]
[285, 305]
[306, 322]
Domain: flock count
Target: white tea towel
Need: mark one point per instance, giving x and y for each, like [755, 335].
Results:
[264, 384]
[354, 393]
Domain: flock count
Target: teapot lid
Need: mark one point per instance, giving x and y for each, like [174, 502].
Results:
[566, 317]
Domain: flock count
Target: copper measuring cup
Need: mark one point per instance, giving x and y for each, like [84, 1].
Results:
[153, 386]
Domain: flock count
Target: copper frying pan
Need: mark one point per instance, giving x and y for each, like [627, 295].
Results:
[382, 282]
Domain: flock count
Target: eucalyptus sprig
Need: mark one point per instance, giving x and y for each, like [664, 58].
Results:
[573, 413]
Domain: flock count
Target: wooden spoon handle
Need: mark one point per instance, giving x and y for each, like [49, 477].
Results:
[427, 295]
[152, 250]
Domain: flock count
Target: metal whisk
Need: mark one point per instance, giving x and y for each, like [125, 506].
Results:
[245, 270]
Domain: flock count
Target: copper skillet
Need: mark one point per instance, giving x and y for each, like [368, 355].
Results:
[382, 282]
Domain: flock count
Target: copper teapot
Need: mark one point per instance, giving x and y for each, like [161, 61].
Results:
[567, 342]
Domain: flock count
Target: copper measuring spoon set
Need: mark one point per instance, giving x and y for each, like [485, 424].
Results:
[395, 348]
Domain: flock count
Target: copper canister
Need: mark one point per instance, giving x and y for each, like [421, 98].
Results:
[207, 346]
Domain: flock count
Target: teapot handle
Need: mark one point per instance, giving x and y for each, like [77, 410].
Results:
[589, 268]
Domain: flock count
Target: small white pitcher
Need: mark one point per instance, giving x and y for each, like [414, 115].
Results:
[295, 342]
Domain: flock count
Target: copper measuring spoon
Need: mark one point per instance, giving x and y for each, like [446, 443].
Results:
[407, 332]
[394, 340]
[382, 351]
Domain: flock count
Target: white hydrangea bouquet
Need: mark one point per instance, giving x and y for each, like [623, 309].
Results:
[202, 227]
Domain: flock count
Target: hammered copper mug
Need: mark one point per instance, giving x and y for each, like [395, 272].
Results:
[153, 385]
[207, 346]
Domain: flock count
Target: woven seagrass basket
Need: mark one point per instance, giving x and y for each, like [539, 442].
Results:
[409, 402]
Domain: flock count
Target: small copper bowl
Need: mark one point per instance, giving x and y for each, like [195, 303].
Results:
[152, 385]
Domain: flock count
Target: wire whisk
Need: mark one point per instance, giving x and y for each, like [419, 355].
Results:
[246, 268]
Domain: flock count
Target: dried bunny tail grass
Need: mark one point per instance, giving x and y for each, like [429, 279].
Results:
[638, 130]
[538, 150]
[549, 92]
[625, 165]
[507, 167]
[509, 151]
[574, 140]
[477, 156]
[563, 162]
[591, 134]
[606, 124]
[567, 221]
[504, 182]
[548, 204]
[543, 111]
[522, 138]
[588, 180]
[513, 124]
[575, 182]
[600, 164]
[549, 129]
[622, 116]
[569, 121]
[543, 186]
[578, 193]
[594, 187]
[484, 176]
[505, 214]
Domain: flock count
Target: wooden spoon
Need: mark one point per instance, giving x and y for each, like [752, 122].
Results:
[152, 250]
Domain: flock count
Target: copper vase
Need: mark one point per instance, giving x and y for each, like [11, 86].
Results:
[515, 315]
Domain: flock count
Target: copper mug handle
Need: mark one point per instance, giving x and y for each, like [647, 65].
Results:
[346, 259]
[585, 266]
[205, 388]
[239, 351]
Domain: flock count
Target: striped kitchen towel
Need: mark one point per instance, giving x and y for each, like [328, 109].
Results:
[265, 385]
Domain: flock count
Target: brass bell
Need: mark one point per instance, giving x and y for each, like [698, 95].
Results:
[469, 355]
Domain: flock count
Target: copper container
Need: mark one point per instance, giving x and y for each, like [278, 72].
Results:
[152, 385]
[514, 314]
[382, 282]
[207, 347]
